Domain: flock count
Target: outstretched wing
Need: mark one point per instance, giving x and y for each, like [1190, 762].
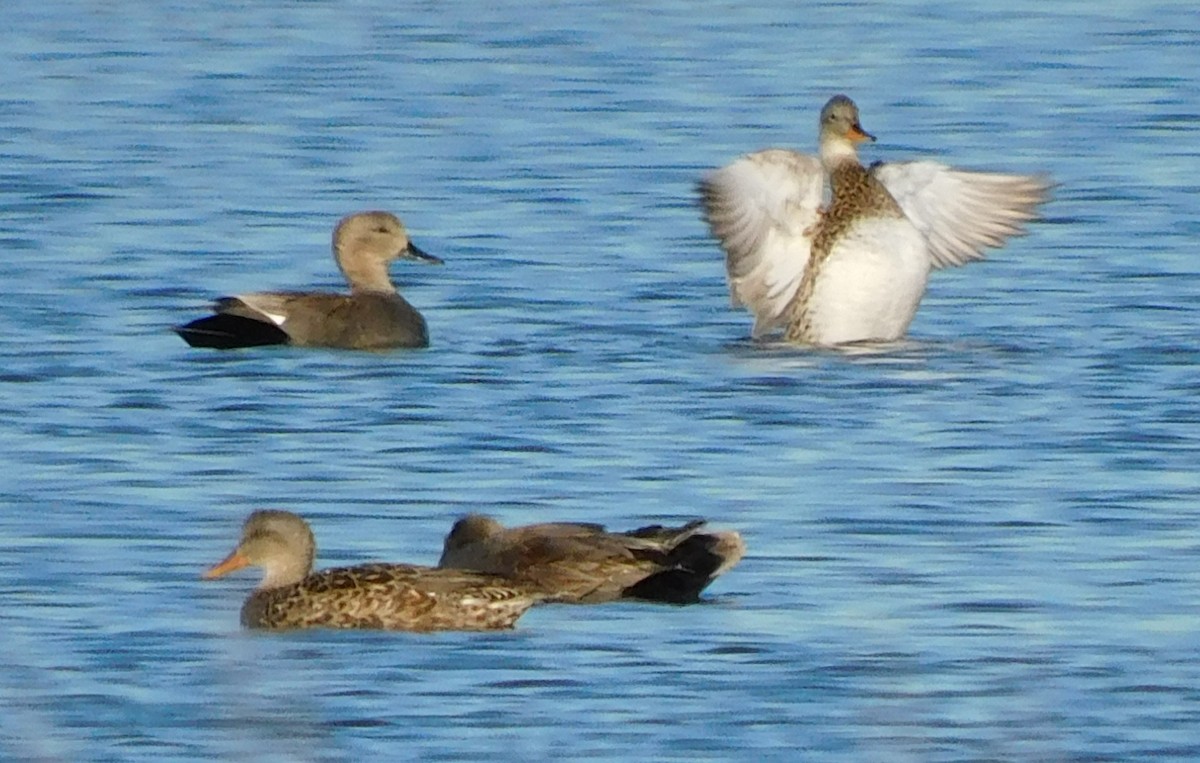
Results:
[959, 212]
[762, 209]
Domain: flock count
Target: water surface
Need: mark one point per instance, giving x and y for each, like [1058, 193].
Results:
[978, 545]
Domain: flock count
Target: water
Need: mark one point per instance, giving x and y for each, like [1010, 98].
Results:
[979, 545]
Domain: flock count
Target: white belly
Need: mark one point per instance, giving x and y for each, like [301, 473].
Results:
[871, 284]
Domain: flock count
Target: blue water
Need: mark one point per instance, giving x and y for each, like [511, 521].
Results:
[979, 545]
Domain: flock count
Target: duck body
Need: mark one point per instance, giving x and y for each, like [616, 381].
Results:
[869, 289]
[867, 273]
[365, 321]
[372, 316]
[382, 596]
[585, 564]
[388, 597]
[832, 252]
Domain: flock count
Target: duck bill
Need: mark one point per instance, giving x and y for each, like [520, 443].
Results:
[858, 135]
[413, 252]
[234, 561]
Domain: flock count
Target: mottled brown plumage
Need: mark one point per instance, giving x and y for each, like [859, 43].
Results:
[582, 563]
[384, 596]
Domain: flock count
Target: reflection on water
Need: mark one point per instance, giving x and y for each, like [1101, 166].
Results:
[977, 544]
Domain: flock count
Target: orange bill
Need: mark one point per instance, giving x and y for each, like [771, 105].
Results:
[234, 561]
[857, 134]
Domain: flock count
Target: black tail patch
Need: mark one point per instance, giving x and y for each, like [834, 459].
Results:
[693, 563]
[227, 332]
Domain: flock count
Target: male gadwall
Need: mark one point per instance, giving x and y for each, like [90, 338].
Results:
[855, 270]
[388, 596]
[581, 563]
[373, 316]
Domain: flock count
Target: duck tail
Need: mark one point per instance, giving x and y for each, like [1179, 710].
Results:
[693, 563]
[224, 331]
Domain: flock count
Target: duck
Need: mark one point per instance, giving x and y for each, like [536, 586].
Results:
[400, 597]
[852, 268]
[583, 563]
[373, 316]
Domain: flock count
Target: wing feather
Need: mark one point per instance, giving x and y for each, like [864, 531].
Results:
[277, 307]
[270, 307]
[961, 212]
[761, 208]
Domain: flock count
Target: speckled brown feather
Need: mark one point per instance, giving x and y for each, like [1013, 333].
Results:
[391, 597]
[855, 194]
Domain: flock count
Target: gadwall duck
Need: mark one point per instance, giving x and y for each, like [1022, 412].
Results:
[854, 270]
[373, 316]
[387, 596]
[582, 563]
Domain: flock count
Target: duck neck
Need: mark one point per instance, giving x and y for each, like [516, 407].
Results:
[364, 274]
[837, 153]
[282, 572]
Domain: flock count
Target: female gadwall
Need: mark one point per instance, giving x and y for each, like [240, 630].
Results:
[581, 563]
[856, 270]
[372, 316]
[389, 596]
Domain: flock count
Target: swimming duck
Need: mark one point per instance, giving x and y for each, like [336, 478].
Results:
[582, 563]
[385, 596]
[372, 316]
[854, 270]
